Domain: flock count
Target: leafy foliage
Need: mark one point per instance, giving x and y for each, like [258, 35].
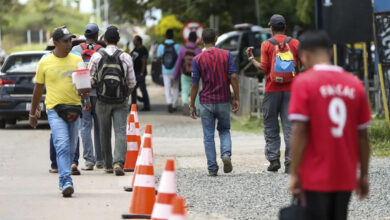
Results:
[168, 22]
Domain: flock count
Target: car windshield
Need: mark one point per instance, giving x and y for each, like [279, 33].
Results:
[26, 63]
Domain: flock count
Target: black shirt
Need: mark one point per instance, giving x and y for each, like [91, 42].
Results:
[139, 54]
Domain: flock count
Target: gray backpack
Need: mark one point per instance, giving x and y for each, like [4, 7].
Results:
[111, 82]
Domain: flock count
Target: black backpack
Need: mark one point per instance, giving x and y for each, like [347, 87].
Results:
[111, 83]
[170, 56]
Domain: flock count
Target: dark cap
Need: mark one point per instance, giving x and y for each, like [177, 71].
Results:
[91, 30]
[276, 20]
[62, 33]
[112, 32]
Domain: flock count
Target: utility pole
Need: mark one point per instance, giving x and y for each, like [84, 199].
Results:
[98, 12]
[257, 4]
[106, 8]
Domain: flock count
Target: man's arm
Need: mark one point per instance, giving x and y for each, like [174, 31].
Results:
[193, 94]
[34, 113]
[236, 101]
[298, 142]
[364, 156]
[130, 75]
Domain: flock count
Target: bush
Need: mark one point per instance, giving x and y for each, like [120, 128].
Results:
[379, 134]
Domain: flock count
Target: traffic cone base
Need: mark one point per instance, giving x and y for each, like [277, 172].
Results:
[131, 216]
[178, 209]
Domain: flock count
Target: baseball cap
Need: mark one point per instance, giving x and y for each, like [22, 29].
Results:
[91, 29]
[112, 32]
[62, 33]
[276, 19]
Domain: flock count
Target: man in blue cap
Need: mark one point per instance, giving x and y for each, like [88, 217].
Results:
[87, 49]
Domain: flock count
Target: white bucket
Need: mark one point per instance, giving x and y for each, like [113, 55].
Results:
[82, 79]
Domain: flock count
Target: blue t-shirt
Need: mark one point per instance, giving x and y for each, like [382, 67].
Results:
[160, 53]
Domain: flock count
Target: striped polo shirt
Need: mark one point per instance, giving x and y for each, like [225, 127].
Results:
[213, 66]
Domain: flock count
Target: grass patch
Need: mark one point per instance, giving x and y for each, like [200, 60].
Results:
[26, 47]
[247, 124]
[379, 134]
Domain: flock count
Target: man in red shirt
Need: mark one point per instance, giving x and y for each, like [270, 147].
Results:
[277, 93]
[330, 115]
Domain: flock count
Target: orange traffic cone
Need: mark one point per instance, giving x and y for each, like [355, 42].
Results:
[178, 209]
[166, 192]
[137, 127]
[147, 134]
[143, 197]
[132, 145]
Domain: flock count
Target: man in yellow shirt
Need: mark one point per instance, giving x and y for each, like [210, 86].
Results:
[63, 104]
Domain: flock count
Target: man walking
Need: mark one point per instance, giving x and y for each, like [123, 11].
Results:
[62, 102]
[87, 49]
[168, 53]
[183, 69]
[278, 61]
[114, 79]
[329, 137]
[140, 58]
[216, 69]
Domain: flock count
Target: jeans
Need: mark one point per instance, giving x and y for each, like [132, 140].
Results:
[65, 136]
[209, 113]
[145, 96]
[53, 154]
[275, 104]
[117, 114]
[185, 90]
[171, 89]
[89, 118]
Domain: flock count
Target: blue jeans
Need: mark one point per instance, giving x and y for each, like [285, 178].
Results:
[53, 154]
[65, 136]
[88, 118]
[209, 113]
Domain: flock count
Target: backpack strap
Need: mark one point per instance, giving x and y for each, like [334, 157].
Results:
[97, 47]
[117, 55]
[287, 40]
[274, 42]
[84, 46]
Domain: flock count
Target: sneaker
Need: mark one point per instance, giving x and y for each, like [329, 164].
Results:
[109, 170]
[88, 167]
[67, 189]
[53, 171]
[212, 174]
[227, 165]
[118, 170]
[170, 108]
[287, 169]
[99, 166]
[274, 166]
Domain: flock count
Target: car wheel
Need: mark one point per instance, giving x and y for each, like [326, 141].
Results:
[2, 123]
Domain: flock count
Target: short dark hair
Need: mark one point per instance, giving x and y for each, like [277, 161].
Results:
[138, 38]
[279, 27]
[208, 35]
[169, 34]
[193, 36]
[112, 35]
[313, 40]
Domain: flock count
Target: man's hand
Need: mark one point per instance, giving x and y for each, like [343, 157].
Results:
[87, 106]
[363, 187]
[235, 105]
[83, 95]
[295, 185]
[193, 112]
[249, 52]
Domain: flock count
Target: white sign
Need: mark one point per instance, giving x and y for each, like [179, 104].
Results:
[192, 26]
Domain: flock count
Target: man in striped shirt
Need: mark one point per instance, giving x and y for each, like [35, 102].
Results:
[216, 69]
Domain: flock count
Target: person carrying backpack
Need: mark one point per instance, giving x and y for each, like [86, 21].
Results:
[168, 52]
[183, 69]
[279, 56]
[114, 80]
[87, 49]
